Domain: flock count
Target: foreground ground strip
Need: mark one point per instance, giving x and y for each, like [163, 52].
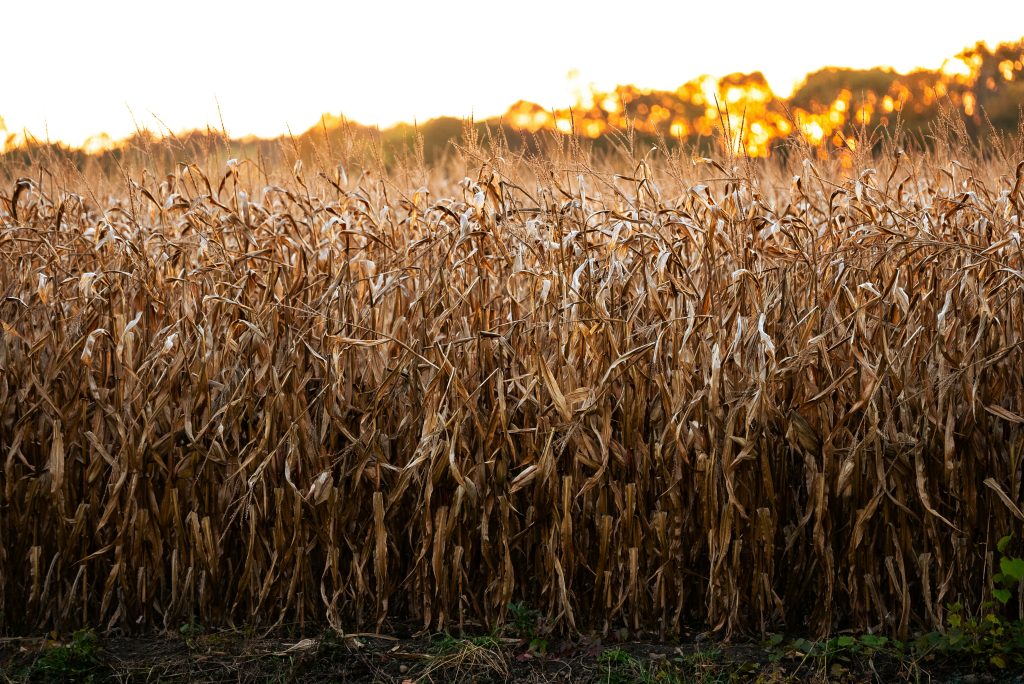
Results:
[195, 656]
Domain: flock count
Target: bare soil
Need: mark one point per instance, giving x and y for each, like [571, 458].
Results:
[239, 657]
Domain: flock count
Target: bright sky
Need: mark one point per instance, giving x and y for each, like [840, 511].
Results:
[77, 68]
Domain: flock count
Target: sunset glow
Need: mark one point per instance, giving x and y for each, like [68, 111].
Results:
[254, 69]
[745, 107]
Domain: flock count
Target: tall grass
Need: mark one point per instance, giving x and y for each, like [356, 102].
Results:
[628, 391]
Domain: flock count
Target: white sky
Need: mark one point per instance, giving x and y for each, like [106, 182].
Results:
[76, 68]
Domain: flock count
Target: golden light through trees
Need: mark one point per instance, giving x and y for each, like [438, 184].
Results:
[825, 110]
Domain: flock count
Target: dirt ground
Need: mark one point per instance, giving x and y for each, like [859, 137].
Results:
[193, 656]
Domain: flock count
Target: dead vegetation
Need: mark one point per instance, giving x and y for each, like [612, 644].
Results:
[636, 391]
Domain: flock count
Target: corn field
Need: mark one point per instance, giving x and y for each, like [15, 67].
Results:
[646, 392]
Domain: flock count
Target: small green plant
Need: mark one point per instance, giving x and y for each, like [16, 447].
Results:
[838, 656]
[457, 657]
[485, 641]
[524, 618]
[1011, 572]
[702, 665]
[622, 667]
[614, 656]
[991, 634]
[617, 665]
[191, 631]
[528, 624]
[75, 661]
[447, 643]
